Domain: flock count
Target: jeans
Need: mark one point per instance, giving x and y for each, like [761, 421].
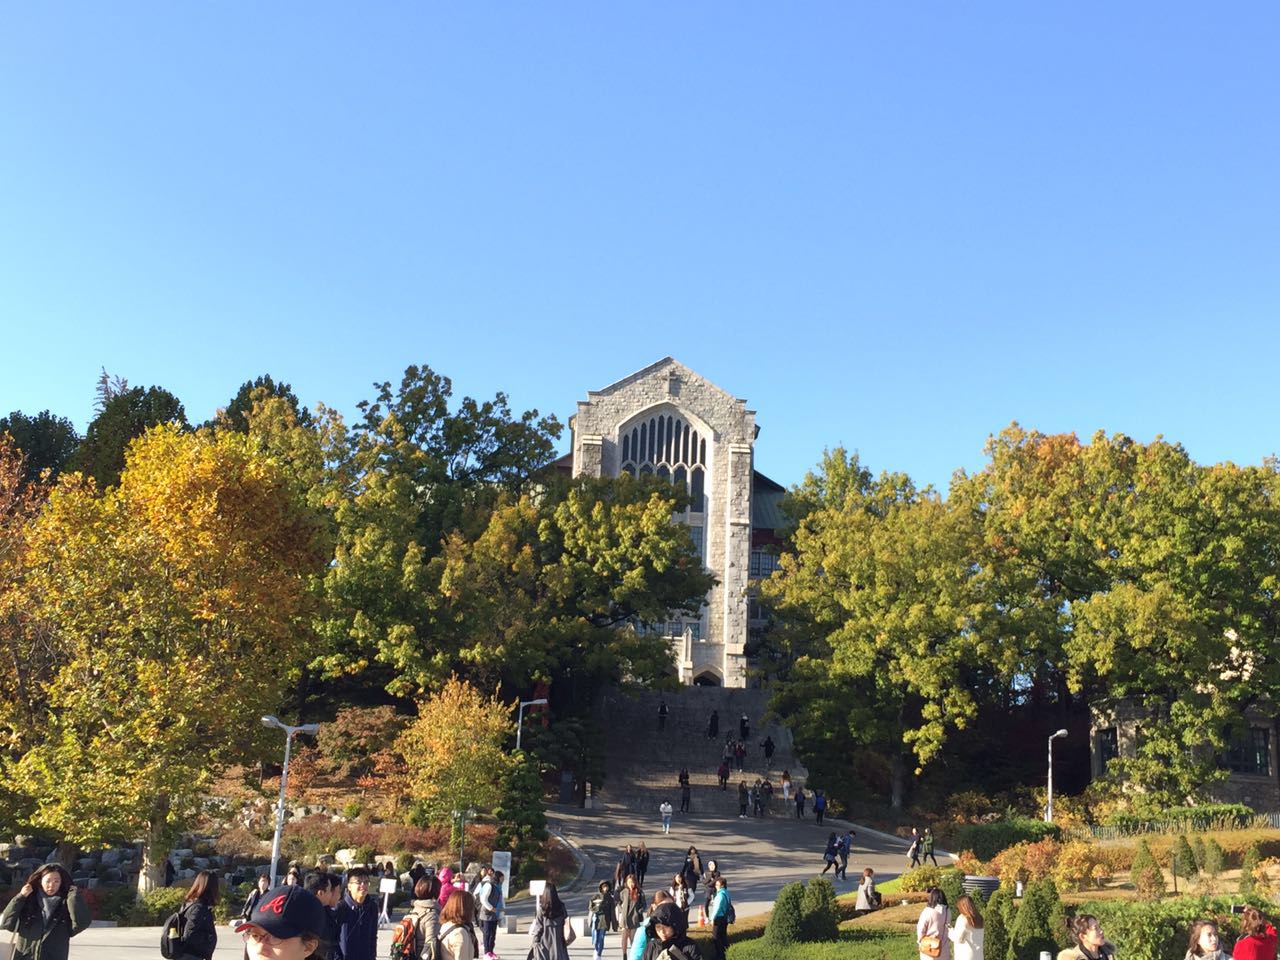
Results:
[597, 941]
[666, 823]
[489, 928]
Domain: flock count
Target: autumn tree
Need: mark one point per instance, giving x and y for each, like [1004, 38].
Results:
[236, 414]
[457, 753]
[179, 607]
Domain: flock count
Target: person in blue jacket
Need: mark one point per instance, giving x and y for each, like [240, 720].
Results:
[358, 919]
[719, 913]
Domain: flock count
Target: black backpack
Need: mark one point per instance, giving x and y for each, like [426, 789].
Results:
[171, 936]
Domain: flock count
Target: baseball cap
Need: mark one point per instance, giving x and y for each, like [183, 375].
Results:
[287, 912]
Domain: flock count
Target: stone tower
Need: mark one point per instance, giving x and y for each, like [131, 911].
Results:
[667, 421]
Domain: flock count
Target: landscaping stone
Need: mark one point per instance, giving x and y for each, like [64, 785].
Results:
[112, 857]
[346, 856]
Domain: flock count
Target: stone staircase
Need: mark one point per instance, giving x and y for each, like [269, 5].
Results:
[644, 764]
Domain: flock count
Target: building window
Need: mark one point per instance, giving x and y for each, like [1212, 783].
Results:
[695, 534]
[668, 447]
[763, 564]
[1250, 752]
[1108, 745]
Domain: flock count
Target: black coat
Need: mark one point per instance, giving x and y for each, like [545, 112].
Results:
[199, 931]
[37, 940]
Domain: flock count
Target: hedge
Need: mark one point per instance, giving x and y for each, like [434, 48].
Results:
[1157, 931]
[1209, 816]
[988, 839]
[862, 943]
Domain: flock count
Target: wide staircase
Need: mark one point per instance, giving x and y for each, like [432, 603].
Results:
[643, 764]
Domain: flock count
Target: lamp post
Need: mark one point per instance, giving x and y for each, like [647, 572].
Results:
[271, 720]
[1048, 813]
[520, 716]
[462, 836]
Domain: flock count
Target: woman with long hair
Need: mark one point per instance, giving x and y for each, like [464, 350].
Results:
[1090, 942]
[692, 870]
[547, 931]
[1257, 937]
[642, 862]
[631, 901]
[199, 929]
[931, 928]
[967, 934]
[644, 935]
[868, 897]
[679, 891]
[830, 853]
[45, 915]
[457, 931]
[1203, 943]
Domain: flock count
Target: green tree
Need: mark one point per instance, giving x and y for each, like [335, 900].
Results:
[1145, 874]
[1182, 860]
[522, 820]
[1199, 849]
[251, 392]
[48, 442]
[176, 606]
[785, 923]
[996, 918]
[1039, 922]
[819, 915]
[124, 417]
[1214, 861]
[1252, 857]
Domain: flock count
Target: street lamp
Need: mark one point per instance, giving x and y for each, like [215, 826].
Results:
[1048, 813]
[271, 720]
[520, 716]
[462, 836]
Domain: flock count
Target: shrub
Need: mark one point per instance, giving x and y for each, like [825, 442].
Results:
[352, 809]
[1209, 816]
[154, 907]
[1156, 931]
[1041, 857]
[952, 884]
[920, 879]
[1182, 859]
[968, 862]
[1080, 866]
[1199, 850]
[819, 916]
[404, 861]
[239, 843]
[1214, 861]
[111, 903]
[1000, 909]
[988, 839]
[1038, 923]
[364, 854]
[1146, 875]
[1251, 859]
[784, 924]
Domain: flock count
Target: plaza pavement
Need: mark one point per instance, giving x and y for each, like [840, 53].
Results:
[757, 857]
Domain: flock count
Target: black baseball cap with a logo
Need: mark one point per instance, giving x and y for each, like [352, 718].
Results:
[288, 912]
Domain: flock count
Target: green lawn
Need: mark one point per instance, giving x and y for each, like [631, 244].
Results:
[866, 943]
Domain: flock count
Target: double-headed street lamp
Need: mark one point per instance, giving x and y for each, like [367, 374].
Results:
[1048, 813]
[271, 720]
[520, 716]
[462, 836]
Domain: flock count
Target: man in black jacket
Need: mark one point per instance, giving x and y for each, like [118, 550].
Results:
[669, 936]
[358, 919]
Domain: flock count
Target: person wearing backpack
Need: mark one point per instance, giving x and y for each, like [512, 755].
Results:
[601, 917]
[424, 912]
[45, 915]
[197, 930]
[486, 910]
[721, 915]
[457, 933]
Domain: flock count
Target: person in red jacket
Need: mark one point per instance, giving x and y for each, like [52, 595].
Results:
[1257, 937]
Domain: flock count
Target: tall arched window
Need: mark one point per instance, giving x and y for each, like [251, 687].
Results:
[670, 447]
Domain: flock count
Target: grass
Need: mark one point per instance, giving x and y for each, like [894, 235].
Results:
[862, 943]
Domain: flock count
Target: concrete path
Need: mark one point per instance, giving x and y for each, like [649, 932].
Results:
[757, 857]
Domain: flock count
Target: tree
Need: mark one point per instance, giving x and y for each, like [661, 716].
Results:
[522, 819]
[1214, 861]
[124, 417]
[456, 750]
[1039, 921]
[996, 922]
[236, 415]
[785, 924]
[1252, 857]
[178, 607]
[1145, 874]
[1182, 858]
[48, 442]
[819, 915]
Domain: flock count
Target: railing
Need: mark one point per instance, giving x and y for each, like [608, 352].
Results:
[1260, 821]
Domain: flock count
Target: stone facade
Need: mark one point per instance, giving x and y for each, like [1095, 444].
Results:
[668, 421]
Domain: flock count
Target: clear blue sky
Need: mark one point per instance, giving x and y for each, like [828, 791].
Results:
[896, 226]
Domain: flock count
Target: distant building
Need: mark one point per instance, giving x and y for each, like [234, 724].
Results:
[667, 421]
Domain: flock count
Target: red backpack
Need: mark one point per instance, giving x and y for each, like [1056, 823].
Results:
[404, 940]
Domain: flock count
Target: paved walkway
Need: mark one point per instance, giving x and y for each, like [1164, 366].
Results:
[757, 857]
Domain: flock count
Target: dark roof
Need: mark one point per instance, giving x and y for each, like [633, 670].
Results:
[766, 503]
[563, 464]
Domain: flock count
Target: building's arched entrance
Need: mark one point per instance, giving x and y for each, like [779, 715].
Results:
[706, 678]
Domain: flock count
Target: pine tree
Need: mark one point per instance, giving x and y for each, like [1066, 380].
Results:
[1214, 860]
[1198, 847]
[1039, 920]
[1252, 856]
[784, 922]
[819, 916]
[522, 821]
[995, 923]
[1146, 875]
[1182, 859]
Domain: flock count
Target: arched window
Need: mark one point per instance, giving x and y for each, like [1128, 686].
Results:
[669, 447]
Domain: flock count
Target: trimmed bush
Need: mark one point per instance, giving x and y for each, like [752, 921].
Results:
[988, 839]
[154, 907]
[785, 922]
[1199, 850]
[999, 911]
[1214, 862]
[1039, 924]
[1080, 865]
[1157, 931]
[920, 879]
[1182, 858]
[1145, 875]
[1252, 857]
[952, 884]
[819, 915]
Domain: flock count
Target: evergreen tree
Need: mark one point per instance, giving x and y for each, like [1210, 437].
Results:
[819, 916]
[522, 821]
[995, 921]
[1146, 875]
[1252, 856]
[1214, 860]
[1039, 920]
[1198, 847]
[1181, 859]
[785, 921]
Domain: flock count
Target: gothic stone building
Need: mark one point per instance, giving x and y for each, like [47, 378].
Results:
[667, 421]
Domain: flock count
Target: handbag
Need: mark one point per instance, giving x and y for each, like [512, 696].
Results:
[931, 946]
[8, 950]
[570, 934]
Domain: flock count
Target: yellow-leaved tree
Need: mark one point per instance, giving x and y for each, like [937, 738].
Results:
[456, 751]
[179, 605]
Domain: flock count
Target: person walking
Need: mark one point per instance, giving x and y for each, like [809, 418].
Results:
[199, 929]
[686, 792]
[692, 870]
[458, 939]
[931, 928]
[740, 754]
[602, 917]
[713, 725]
[632, 905]
[843, 849]
[327, 888]
[547, 931]
[819, 805]
[913, 851]
[719, 915]
[785, 780]
[768, 749]
[251, 901]
[799, 803]
[665, 810]
[967, 934]
[642, 863]
[743, 800]
[755, 798]
[662, 716]
[625, 867]
[926, 847]
[683, 778]
[680, 895]
[425, 912]
[722, 772]
[830, 854]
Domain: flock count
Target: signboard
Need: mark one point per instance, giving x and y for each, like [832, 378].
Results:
[388, 885]
[536, 887]
[502, 864]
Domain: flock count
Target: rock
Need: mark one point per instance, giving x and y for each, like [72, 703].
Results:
[186, 874]
[200, 863]
[30, 864]
[346, 856]
[112, 873]
[85, 865]
[300, 812]
[112, 857]
[182, 853]
[86, 883]
[326, 860]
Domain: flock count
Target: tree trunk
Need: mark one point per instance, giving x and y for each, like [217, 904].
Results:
[155, 849]
[66, 854]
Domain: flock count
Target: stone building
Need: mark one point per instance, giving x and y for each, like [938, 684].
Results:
[667, 421]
